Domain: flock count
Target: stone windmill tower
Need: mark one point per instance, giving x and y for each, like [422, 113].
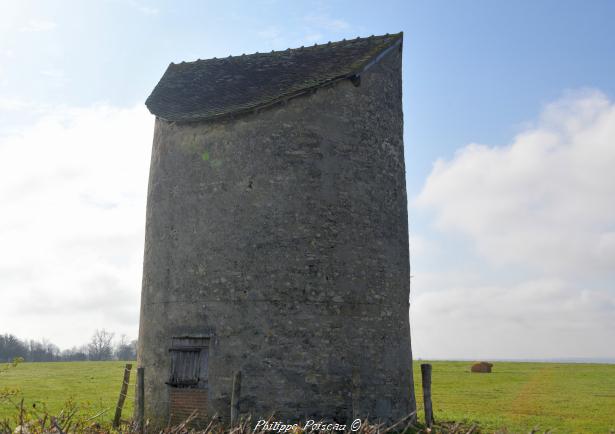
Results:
[276, 237]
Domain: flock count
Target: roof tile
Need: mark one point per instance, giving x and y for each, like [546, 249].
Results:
[207, 89]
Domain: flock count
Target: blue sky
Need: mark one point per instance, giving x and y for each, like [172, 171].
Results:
[530, 81]
[481, 68]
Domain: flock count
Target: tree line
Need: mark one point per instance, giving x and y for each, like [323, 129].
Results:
[101, 347]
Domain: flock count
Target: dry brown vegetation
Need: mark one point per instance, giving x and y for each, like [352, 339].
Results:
[71, 420]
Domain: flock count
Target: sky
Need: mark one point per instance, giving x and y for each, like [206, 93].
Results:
[509, 131]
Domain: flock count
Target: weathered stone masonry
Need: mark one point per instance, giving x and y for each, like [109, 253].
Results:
[277, 240]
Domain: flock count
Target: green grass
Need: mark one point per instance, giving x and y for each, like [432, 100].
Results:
[517, 396]
[94, 386]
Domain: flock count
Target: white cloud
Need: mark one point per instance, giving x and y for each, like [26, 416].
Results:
[274, 36]
[328, 23]
[53, 73]
[54, 77]
[312, 29]
[38, 25]
[16, 105]
[149, 11]
[144, 8]
[318, 25]
[74, 190]
[546, 200]
[533, 276]
[310, 38]
[542, 318]
[270, 32]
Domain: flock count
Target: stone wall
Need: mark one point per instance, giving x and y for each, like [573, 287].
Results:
[282, 235]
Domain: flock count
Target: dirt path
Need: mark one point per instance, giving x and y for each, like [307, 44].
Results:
[530, 400]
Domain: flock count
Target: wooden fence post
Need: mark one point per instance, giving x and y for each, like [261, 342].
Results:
[235, 398]
[426, 378]
[141, 399]
[122, 398]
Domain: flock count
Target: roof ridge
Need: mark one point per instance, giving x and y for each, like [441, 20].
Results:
[316, 45]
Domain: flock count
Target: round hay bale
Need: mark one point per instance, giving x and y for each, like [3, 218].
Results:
[483, 367]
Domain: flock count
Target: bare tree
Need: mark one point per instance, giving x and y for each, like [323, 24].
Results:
[100, 347]
[126, 350]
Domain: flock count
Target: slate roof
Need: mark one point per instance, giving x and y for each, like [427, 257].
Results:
[213, 88]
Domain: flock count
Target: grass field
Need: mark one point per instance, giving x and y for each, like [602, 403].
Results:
[565, 398]
[517, 396]
[94, 386]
